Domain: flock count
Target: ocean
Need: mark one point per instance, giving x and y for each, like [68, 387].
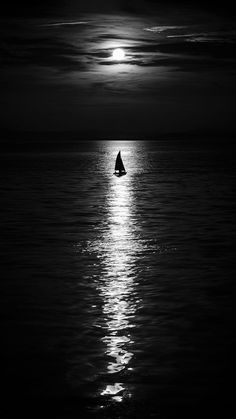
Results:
[117, 293]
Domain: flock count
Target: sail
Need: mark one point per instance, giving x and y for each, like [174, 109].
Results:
[119, 163]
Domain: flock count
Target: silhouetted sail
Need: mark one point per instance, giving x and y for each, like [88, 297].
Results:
[119, 166]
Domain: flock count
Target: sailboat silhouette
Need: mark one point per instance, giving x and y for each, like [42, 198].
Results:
[119, 166]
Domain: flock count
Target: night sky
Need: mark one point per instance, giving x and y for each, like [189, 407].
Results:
[178, 76]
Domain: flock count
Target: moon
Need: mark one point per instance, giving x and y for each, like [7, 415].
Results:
[118, 54]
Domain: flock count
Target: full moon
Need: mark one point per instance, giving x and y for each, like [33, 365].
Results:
[118, 54]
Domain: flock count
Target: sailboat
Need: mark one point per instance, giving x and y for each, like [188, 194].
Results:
[119, 166]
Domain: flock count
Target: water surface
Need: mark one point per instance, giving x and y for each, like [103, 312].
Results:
[116, 293]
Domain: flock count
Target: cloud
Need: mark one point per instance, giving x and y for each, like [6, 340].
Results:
[60, 72]
[163, 28]
[44, 52]
[80, 49]
[65, 23]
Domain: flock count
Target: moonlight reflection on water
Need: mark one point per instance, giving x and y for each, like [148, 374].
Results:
[117, 286]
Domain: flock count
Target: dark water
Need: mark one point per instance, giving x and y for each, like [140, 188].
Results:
[117, 293]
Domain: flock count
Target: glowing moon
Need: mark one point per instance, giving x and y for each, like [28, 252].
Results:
[118, 54]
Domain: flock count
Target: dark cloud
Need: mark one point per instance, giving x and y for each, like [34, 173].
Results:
[41, 52]
[61, 68]
[72, 45]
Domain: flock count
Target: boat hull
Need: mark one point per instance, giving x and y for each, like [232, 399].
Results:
[119, 174]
